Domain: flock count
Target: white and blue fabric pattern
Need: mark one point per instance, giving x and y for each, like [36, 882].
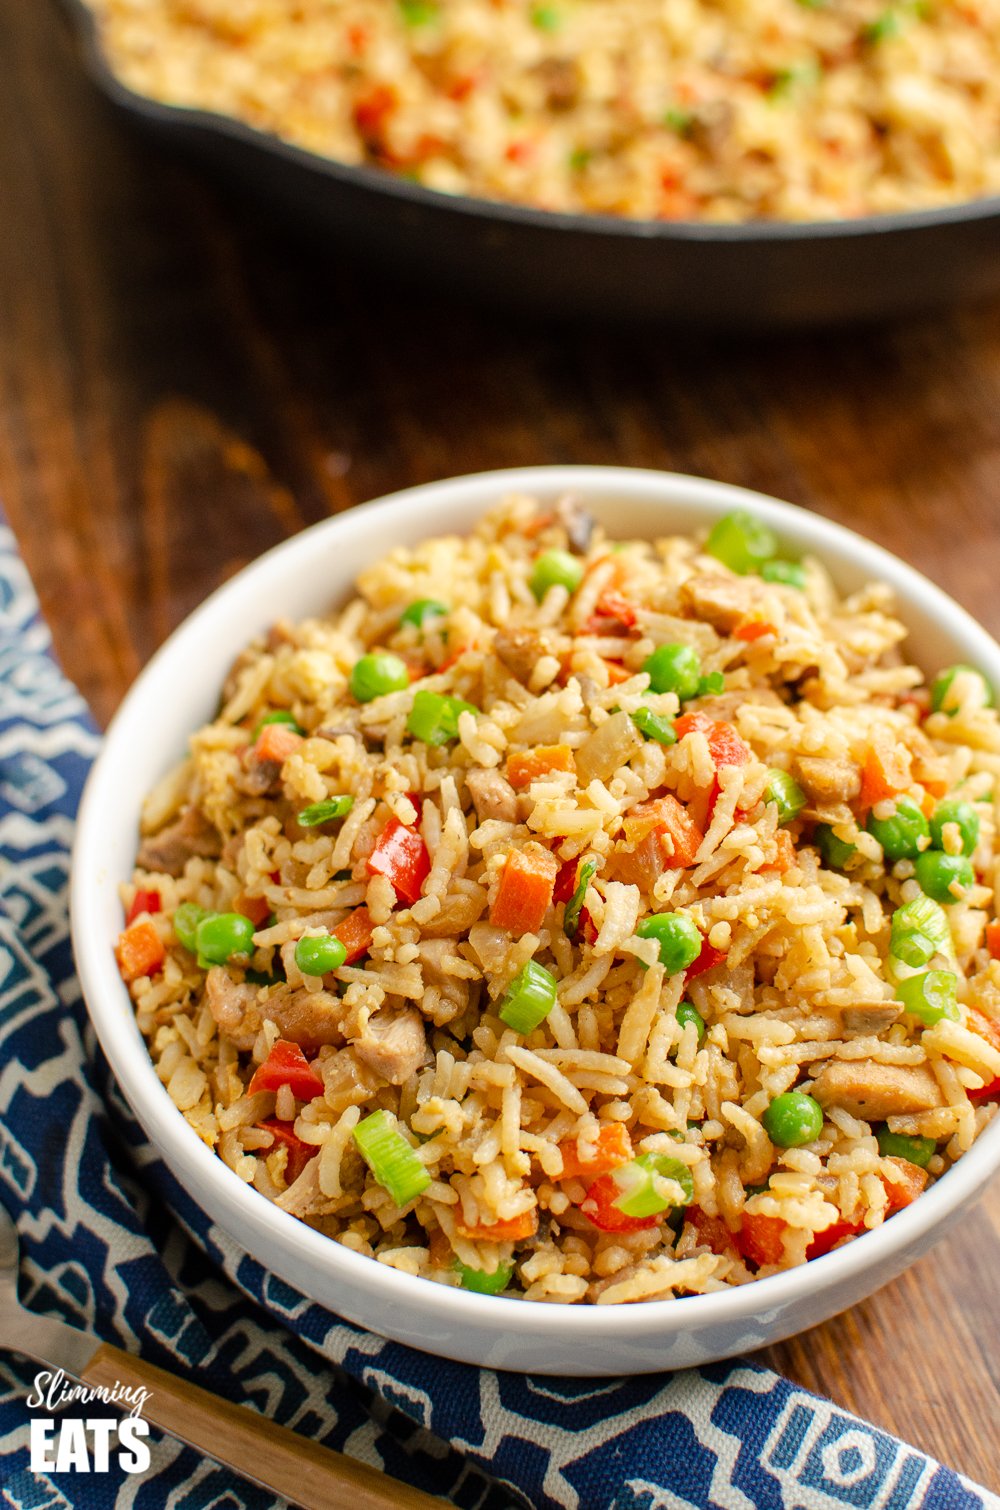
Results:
[112, 1244]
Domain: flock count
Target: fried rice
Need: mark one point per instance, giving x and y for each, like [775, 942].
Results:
[523, 806]
[692, 109]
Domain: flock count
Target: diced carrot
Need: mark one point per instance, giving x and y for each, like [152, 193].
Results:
[525, 894]
[538, 523]
[663, 835]
[712, 1231]
[993, 938]
[617, 673]
[139, 951]
[299, 1153]
[760, 1238]
[371, 115]
[753, 629]
[528, 766]
[904, 1191]
[785, 857]
[985, 1026]
[684, 834]
[257, 909]
[613, 1148]
[453, 658]
[830, 1236]
[512, 1231]
[276, 742]
[884, 774]
[707, 960]
[143, 901]
[612, 614]
[355, 933]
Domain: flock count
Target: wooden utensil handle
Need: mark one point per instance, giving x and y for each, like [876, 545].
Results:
[309, 1475]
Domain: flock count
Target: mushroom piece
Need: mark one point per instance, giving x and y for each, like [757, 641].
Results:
[577, 522]
[169, 851]
[519, 650]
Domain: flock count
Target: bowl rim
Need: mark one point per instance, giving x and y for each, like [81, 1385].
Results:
[468, 206]
[194, 1163]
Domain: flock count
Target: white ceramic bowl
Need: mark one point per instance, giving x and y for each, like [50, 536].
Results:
[178, 691]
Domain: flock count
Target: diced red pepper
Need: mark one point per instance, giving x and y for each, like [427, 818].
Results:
[401, 854]
[139, 951]
[613, 1147]
[599, 1205]
[588, 927]
[565, 883]
[143, 901]
[299, 1153]
[612, 614]
[831, 1236]
[355, 933]
[993, 938]
[724, 744]
[525, 893]
[287, 1065]
[371, 116]
[760, 1238]
[707, 960]
[990, 1030]
[712, 1231]
[989, 1092]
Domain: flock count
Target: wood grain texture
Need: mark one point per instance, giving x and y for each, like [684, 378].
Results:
[182, 385]
[298, 1469]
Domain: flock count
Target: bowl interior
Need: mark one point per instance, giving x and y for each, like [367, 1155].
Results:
[178, 691]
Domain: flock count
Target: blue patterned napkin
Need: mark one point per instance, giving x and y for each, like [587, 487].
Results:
[111, 1243]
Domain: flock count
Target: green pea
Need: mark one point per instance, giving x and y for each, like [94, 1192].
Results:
[546, 18]
[834, 852]
[793, 1119]
[279, 716]
[688, 1012]
[741, 542]
[186, 919]
[899, 835]
[421, 610]
[937, 873]
[678, 936]
[674, 668]
[418, 12]
[377, 674]
[961, 813]
[944, 700]
[221, 935]
[787, 573]
[318, 956]
[784, 791]
[555, 569]
[892, 1145]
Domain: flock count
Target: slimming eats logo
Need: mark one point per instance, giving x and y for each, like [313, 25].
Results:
[62, 1446]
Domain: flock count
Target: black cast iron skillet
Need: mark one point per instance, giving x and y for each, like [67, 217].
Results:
[750, 277]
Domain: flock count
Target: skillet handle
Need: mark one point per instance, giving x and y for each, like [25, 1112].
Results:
[303, 1472]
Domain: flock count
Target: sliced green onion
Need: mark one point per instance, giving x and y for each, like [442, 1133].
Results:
[641, 1185]
[390, 1158]
[423, 609]
[712, 684]
[882, 28]
[892, 1145]
[654, 726]
[741, 542]
[434, 717]
[555, 569]
[546, 18]
[834, 852]
[418, 12]
[279, 716]
[930, 997]
[528, 999]
[919, 931]
[482, 1282]
[186, 919]
[326, 811]
[788, 797]
[571, 916]
[787, 573]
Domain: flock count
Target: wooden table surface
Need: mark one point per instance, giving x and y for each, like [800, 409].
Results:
[182, 387]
